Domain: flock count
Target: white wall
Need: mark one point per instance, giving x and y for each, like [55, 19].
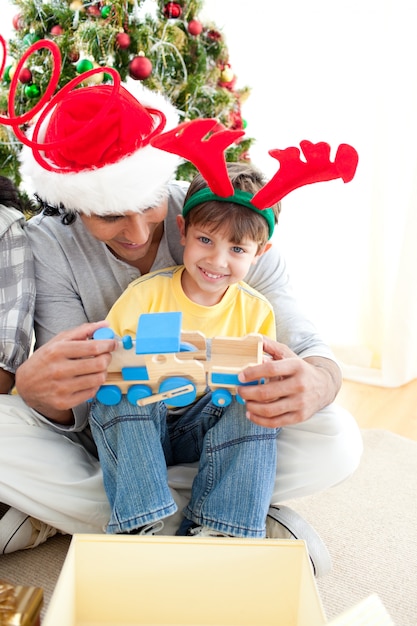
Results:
[341, 71]
[8, 10]
[296, 57]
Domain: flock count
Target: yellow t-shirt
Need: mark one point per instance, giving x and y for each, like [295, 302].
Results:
[241, 311]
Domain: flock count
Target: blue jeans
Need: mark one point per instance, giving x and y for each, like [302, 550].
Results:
[237, 464]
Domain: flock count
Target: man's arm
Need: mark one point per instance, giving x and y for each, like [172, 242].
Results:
[67, 368]
[294, 329]
[17, 295]
[65, 372]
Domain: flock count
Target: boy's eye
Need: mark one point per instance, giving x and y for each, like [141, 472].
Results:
[237, 250]
[204, 239]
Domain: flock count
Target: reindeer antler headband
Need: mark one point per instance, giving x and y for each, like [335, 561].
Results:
[204, 141]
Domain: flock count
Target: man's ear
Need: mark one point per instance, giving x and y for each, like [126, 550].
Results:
[181, 228]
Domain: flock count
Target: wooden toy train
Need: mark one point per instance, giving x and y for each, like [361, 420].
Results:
[166, 364]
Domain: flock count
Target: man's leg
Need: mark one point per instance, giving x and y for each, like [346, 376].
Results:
[317, 454]
[50, 482]
[55, 480]
[314, 456]
[47, 475]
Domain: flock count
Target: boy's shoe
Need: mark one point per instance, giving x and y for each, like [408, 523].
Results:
[284, 523]
[204, 531]
[149, 529]
[19, 531]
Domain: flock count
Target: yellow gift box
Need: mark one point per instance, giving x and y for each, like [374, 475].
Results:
[142, 581]
[19, 605]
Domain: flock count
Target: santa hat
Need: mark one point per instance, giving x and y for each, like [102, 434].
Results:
[91, 151]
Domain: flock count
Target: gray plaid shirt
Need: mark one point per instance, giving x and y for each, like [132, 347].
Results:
[17, 290]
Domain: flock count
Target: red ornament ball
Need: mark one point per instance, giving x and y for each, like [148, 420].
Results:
[214, 35]
[25, 76]
[57, 30]
[74, 55]
[18, 21]
[123, 40]
[172, 10]
[140, 68]
[195, 27]
[94, 11]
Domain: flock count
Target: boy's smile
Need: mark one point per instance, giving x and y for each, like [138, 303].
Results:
[213, 262]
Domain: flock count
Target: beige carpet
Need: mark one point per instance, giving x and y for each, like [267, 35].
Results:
[369, 524]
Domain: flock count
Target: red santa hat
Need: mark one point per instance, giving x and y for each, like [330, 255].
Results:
[91, 150]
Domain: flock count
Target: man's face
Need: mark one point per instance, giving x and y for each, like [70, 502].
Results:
[128, 236]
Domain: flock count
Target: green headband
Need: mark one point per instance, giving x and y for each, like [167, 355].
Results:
[239, 197]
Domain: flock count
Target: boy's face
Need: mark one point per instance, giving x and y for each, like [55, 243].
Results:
[213, 262]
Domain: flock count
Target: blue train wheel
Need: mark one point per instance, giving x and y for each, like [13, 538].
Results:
[221, 397]
[174, 382]
[104, 333]
[137, 392]
[109, 395]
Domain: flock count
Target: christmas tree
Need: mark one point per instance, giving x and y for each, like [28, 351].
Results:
[163, 44]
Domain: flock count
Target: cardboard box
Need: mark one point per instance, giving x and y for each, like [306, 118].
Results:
[368, 612]
[142, 581]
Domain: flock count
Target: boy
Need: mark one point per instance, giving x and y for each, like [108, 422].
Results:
[221, 239]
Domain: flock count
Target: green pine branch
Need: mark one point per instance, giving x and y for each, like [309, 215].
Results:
[187, 68]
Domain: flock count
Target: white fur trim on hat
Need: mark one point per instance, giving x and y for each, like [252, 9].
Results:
[132, 184]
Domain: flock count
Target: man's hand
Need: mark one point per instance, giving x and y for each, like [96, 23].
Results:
[294, 388]
[65, 372]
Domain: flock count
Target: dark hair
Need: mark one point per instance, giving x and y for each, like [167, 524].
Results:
[236, 221]
[10, 196]
[67, 217]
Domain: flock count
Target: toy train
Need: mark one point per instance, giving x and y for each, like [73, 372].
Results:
[166, 364]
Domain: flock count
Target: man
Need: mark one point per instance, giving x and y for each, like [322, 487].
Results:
[110, 216]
